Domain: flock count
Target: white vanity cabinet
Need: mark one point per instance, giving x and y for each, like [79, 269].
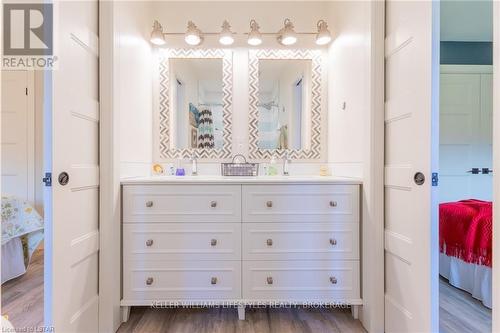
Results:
[246, 242]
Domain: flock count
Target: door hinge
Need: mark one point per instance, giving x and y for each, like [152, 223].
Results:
[47, 179]
[435, 179]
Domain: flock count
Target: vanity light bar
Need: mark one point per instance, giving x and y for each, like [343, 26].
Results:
[286, 36]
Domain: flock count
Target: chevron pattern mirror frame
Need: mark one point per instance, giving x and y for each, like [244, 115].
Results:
[313, 151]
[166, 151]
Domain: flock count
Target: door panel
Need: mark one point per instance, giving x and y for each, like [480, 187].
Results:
[465, 134]
[17, 137]
[409, 140]
[75, 150]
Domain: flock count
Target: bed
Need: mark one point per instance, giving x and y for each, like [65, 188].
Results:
[22, 233]
[465, 241]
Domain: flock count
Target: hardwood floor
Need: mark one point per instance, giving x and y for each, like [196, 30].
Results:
[145, 319]
[22, 301]
[460, 312]
[22, 297]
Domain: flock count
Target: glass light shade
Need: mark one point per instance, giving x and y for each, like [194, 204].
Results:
[324, 36]
[323, 40]
[226, 36]
[193, 34]
[254, 37]
[192, 39]
[254, 40]
[287, 35]
[288, 40]
[226, 40]
[157, 37]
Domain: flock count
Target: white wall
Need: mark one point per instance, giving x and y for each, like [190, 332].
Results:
[134, 86]
[467, 21]
[355, 112]
[348, 82]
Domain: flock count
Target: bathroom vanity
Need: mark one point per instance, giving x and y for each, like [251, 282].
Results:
[240, 241]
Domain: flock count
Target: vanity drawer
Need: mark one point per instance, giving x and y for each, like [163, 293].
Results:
[290, 241]
[181, 203]
[182, 241]
[153, 280]
[326, 281]
[300, 203]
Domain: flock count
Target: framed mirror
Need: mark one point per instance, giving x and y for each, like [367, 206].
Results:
[285, 103]
[195, 103]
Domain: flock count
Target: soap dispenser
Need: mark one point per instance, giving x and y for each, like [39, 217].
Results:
[272, 169]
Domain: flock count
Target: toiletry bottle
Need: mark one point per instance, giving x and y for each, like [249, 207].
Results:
[180, 169]
[272, 169]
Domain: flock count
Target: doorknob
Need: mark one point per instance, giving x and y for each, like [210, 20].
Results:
[419, 178]
[63, 178]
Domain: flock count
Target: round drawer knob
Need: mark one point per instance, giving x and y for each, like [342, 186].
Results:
[333, 241]
[269, 204]
[269, 242]
[270, 280]
[333, 203]
[149, 242]
[149, 204]
[213, 242]
[213, 204]
[213, 280]
[333, 279]
[149, 281]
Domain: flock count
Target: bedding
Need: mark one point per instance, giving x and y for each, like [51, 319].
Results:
[465, 231]
[22, 233]
[474, 279]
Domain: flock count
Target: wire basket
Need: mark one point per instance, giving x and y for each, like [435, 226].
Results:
[240, 169]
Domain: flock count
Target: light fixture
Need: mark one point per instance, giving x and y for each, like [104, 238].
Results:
[254, 37]
[157, 37]
[193, 34]
[287, 35]
[226, 36]
[323, 37]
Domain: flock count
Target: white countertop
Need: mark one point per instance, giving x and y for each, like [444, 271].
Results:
[240, 180]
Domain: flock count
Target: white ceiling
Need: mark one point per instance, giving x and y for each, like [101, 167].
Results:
[470, 21]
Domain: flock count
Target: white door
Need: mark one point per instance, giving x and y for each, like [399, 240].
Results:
[72, 265]
[18, 130]
[412, 75]
[466, 105]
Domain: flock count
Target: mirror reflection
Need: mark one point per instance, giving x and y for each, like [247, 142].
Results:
[197, 103]
[284, 103]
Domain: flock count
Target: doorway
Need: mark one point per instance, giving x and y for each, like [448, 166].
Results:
[23, 212]
[466, 167]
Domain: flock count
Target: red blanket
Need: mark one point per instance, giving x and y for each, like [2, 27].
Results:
[465, 230]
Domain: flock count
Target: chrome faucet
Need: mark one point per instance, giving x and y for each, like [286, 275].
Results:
[286, 162]
[194, 164]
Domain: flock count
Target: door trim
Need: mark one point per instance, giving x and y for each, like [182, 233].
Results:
[372, 313]
[109, 198]
[496, 165]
